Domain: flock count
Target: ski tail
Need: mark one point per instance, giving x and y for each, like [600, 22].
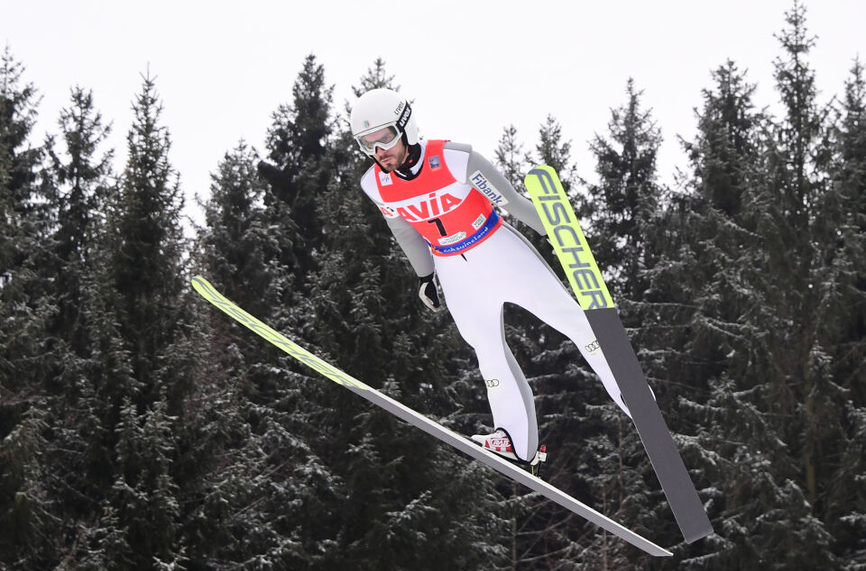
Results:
[590, 289]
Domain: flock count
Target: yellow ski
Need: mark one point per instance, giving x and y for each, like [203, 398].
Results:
[203, 287]
[591, 292]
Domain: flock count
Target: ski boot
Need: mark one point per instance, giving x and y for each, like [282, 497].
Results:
[500, 444]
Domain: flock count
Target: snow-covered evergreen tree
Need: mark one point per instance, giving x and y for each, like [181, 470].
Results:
[27, 308]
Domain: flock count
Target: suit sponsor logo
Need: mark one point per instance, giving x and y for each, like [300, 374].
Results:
[402, 112]
[453, 239]
[388, 212]
[480, 182]
[499, 444]
[570, 244]
[489, 226]
[427, 207]
[385, 179]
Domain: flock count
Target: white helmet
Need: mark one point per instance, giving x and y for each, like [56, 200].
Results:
[382, 117]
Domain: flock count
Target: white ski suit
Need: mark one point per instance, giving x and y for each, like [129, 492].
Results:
[444, 219]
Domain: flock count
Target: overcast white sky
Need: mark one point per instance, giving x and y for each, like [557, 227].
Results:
[472, 66]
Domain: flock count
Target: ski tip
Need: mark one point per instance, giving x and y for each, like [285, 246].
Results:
[699, 533]
[662, 552]
[540, 169]
[200, 284]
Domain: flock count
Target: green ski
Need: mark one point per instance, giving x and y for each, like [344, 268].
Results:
[589, 287]
[418, 420]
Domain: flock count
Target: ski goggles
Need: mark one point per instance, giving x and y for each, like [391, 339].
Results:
[384, 138]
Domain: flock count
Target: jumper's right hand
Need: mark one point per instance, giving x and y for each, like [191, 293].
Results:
[428, 292]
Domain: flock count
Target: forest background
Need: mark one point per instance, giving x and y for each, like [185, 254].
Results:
[142, 430]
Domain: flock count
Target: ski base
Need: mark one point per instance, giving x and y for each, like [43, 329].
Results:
[420, 421]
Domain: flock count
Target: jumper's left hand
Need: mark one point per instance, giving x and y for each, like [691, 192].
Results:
[428, 292]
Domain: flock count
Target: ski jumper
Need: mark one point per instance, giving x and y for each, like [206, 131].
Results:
[444, 219]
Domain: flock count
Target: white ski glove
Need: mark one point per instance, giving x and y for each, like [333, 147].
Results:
[428, 292]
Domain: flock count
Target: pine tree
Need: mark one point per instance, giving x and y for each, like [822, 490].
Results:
[237, 248]
[80, 174]
[376, 78]
[626, 197]
[842, 322]
[142, 356]
[25, 216]
[27, 307]
[298, 171]
[296, 399]
[709, 282]
[258, 420]
[552, 151]
[510, 158]
[710, 237]
[760, 274]
[844, 233]
[146, 266]
[802, 388]
[144, 494]
[19, 164]
[82, 178]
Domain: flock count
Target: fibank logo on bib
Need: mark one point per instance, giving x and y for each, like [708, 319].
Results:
[480, 182]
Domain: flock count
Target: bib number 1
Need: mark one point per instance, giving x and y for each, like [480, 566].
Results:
[439, 225]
